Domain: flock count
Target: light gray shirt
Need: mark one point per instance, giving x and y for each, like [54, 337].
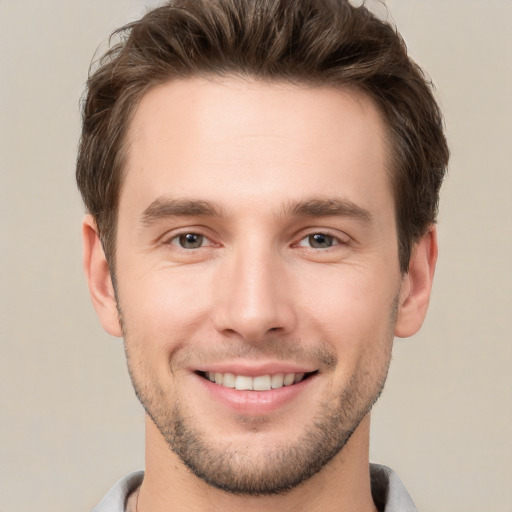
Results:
[389, 493]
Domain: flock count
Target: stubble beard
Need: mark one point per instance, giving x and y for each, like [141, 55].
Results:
[277, 469]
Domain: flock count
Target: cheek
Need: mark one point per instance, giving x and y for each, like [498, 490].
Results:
[165, 308]
[352, 311]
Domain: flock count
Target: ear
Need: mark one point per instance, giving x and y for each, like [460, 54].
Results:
[416, 285]
[98, 277]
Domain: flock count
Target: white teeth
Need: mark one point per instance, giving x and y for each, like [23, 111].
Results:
[277, 380]
[288, 379]
[263, 383]
[229, 380]
[259, 383]
[298, 377]
[242, 382]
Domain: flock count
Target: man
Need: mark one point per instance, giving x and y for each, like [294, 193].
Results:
[261, 179]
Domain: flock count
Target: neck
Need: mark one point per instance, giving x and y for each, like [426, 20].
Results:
[343, 485]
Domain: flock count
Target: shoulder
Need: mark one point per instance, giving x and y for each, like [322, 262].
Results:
[115, 499]
[388, 491]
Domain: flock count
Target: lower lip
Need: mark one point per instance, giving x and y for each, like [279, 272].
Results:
[256, 402]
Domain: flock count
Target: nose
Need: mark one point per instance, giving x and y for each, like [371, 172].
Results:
[252, 297]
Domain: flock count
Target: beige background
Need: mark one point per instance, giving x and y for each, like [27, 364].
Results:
[70, 425]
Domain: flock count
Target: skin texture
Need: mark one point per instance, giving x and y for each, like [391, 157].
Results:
[251, 171]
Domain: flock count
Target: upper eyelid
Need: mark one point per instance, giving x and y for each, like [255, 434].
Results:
[338, 240]
[179, 235]
[171, 238]
[173, 233]
[340, 236]
[335, 233]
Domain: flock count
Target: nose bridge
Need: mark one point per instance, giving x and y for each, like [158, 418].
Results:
[251, 297]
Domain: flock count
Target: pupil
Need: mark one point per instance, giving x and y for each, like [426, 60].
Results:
[191, 241]
[320, 240]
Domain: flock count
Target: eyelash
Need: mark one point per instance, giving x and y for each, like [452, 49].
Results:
[176, 239]
[316, 236]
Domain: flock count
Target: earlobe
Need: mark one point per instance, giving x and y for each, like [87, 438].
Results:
[417, 285]
[98, 277]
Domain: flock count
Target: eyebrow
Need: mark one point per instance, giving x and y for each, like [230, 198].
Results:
[166, 207]
[330, 207]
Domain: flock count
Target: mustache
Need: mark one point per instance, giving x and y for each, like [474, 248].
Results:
[278, 349]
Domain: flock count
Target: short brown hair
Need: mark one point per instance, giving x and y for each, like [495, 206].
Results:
[318, 42]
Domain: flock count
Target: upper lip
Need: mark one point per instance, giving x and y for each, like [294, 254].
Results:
[250, 369]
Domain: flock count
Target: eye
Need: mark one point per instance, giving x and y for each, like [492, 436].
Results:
[319, 241]
[189, 240]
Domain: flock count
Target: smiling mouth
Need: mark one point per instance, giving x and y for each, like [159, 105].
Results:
[258, 383]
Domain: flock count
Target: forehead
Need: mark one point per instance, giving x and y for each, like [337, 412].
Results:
[223, 139]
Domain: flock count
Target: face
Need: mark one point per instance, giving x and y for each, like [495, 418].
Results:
[257, 274]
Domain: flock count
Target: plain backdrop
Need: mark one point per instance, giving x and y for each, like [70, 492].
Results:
[70, 424]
